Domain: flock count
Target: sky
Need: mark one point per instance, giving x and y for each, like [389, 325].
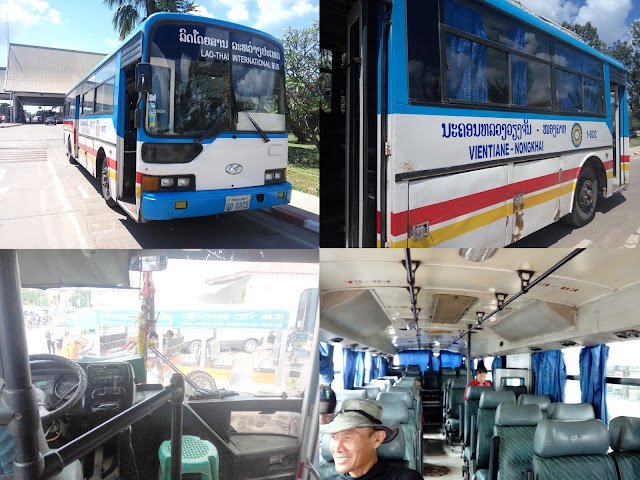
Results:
[86, 24]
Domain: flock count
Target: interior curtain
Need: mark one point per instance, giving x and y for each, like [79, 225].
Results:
[383, 366]
[358, 380]
[551, 374]
[467, 62]
[373, 372]
[7, 451]
[422, 358]
[498, 362]
[593, 379]
[349, 373]
[520, 87]
[450, 359]
[326, 363]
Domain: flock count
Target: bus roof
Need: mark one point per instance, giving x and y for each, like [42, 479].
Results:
[517, 10]
[145, 26]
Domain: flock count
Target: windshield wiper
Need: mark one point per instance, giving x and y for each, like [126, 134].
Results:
[237, 108]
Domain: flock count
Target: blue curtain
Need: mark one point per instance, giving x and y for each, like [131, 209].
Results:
[375, 366]
[520, 87]
[593, 378]
[326, 363]
[450, 359]
[498, 362]
[467, 60]
[349, 362]
[358, 380]
[551, 374]
[422, 358]
[7, 452]
[383, 365]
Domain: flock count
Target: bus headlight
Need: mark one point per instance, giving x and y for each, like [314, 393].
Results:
[166, 182]
[277, 175]
[183, 182]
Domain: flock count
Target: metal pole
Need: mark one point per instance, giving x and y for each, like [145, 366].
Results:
[177, 381]
[468, 354]
[17, 403]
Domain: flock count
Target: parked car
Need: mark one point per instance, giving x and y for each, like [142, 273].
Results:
[633, 134]
[50, 120]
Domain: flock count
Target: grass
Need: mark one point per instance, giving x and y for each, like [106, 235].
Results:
[634, 142]
[303, 170]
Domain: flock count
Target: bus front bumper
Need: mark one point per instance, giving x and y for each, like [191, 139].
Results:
[169, 205]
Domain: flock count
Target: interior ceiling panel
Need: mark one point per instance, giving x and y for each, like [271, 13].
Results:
[348, 315]
[539, 318]
[449, 309]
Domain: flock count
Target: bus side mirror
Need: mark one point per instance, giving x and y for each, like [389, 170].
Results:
[148, 261]
[143, 77]
[137, 118]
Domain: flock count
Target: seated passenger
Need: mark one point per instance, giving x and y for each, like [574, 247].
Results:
[480, 380]
[356, 433]
[326, 404]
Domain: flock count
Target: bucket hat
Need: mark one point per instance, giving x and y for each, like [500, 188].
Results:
[358, 414]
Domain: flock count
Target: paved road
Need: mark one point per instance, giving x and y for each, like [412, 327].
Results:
[616, 225]
[45, 202]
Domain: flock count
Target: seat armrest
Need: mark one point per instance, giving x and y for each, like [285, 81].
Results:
[494, 456]
[473, 436]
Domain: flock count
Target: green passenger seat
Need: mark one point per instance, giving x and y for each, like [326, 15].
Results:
[624, 434]
[199, 459]
[455, 400]
[572, 450]
[516, 428]
[489, 401]
[543, 401]
[570, 412]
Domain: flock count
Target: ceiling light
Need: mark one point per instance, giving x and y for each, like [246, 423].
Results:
[477, 254]
[525, 278]
[501, 297]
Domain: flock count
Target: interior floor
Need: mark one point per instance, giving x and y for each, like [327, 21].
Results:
[440, 460]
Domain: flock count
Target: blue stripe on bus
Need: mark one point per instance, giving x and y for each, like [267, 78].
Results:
[161, 206]
[143, 137]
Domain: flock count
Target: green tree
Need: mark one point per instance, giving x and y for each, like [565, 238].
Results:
[302, 66]
[80, 298]
[588, 33]
[130, 13]
[33, 296]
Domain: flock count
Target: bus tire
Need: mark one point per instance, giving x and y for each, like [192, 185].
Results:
[250, 345]
[585, 200]
[104, 183]
[72, 160]
[202, 379]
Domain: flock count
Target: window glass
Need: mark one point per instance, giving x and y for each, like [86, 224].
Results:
[87, 102]
[423, 51]
[569, 87]
[282, 423]
[623, 362]
[104, 97]
[593, 95]
[106, 71]
[475, 72]
[72, 108]
[571, 58]
[530, 83]
[572, 392]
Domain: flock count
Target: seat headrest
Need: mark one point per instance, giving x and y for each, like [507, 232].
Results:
[555, 438]
[397, 395]
[394, 412]
[372, 390]
[624, 434]
[357, 394]
[410, 389]
[491, 399]
[459, 382]
[510, 414]
[542, 401]
[570, 412]
[473, 393]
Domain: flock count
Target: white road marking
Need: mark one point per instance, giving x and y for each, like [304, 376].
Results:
[65, 202]
[584, 244]
[83, 192]
[632, 240]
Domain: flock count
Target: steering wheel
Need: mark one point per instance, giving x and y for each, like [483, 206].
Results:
[45, 362]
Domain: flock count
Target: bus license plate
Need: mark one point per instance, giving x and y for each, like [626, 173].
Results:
[237, 202]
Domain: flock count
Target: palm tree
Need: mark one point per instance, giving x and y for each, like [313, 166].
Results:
[130, 13]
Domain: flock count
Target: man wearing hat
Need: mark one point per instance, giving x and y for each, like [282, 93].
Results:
[356, 433]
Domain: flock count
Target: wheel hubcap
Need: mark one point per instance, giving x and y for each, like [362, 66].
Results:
[587, 195]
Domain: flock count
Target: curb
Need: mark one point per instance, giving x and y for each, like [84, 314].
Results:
[297, 216]
[7, 125]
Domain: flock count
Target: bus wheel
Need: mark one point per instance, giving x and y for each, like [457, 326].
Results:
[585, 199]
[202, 380]
[104, 181]
[250, 345]
[69, 153]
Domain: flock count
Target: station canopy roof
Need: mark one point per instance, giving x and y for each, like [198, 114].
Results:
[46, 71]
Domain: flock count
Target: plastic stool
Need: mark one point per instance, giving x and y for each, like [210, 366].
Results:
[198, 457]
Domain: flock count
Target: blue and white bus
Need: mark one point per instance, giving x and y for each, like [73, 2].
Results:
[464, 123]
[187, 118]
[556, 329]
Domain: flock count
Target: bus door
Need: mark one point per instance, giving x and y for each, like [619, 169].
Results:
[620, 134]
[361, 66]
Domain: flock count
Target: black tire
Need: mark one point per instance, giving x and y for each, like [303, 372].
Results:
[72, 160]
[104, 184]
[202, 379]
[585, 200]
[250, 345]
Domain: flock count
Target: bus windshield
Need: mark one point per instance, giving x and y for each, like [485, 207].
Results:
[195, 68]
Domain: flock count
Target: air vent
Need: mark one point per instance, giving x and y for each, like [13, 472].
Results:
[364, 348]
[449, 309]
[336, 339]
[627, 334]
[568, 343]
[535, 349]
[353, 345]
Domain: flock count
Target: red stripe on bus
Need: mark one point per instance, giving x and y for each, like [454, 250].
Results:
[625, 158]
[450, 209]
[111, 162]
[139, 177]
[608, 165]
[67, 122]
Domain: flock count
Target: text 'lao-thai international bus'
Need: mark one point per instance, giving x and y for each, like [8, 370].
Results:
[186, 119]
[468, 123]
